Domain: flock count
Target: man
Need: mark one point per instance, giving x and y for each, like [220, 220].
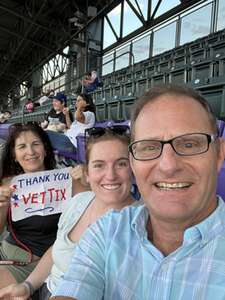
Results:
[172, 247]
[59, 118]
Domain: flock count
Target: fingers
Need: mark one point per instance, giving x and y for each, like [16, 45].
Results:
[77, 172]
[5, 195]
[14, 292]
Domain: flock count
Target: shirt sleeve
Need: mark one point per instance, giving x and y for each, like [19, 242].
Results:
[89, 118]
[85, 277]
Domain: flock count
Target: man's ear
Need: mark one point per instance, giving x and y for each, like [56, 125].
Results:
[221, 154]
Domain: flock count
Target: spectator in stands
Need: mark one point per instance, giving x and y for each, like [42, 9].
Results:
[109, 175]
[44, 98]
[173, 246]
[84, 117]
[28, 149]
[6, 116]
[90, 82]
[1, 117]
[51, 94]
[59, 118]
[29, 105]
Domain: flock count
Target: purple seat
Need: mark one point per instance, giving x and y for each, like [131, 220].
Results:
[221, 126]
[221, 183]
[4, 130]
[71, 155]
[80, 148]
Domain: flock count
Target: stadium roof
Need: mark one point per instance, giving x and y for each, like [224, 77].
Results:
[33, 31]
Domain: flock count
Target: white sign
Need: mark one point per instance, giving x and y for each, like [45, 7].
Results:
[40, 193]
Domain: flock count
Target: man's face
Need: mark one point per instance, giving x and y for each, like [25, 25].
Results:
[177, 189]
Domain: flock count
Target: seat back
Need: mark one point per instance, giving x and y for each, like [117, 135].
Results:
[221, 182]
[221, 126]
[4, 130]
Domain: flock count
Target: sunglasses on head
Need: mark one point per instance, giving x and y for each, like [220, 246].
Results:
[99, 131]
[19, 125]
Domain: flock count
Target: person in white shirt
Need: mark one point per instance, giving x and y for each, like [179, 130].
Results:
[84, 117]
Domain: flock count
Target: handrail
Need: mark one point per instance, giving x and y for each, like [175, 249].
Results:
[127, 52]
[132, 65]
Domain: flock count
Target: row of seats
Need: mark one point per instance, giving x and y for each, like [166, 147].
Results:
[200, 64]
[210, 47]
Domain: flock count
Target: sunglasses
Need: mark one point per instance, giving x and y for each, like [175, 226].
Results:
[100, 131]
[15, 126]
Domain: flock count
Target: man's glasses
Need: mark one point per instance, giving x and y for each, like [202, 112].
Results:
[184, 145]
[99, 131]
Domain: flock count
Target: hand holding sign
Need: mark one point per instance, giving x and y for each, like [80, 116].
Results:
[5, 194]
[40, 193]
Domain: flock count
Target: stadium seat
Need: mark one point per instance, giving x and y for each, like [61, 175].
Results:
[127, 103]
[4, 130]
[101, 111]
[221, 178]
[221, 127]
[178, 75]
[114, 109]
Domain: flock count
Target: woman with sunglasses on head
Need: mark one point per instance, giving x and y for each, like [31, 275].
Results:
[109, 175]
[27, 150]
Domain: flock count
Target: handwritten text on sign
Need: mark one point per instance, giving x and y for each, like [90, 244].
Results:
[40, 193]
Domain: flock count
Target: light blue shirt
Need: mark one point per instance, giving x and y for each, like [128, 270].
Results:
[115, 261]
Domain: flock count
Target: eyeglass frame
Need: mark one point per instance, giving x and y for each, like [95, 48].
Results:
[210, 138]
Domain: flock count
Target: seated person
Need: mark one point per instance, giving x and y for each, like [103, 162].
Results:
[27, 150]
[44, 98]
[58, 119]
[109, 174]
[29, 106]
[5, 116]
[84, 117]
[90, 82]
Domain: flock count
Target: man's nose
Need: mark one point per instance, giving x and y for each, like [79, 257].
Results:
[169, 161]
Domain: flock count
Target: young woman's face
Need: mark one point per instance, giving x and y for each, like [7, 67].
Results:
[80, 102]
[109, 172]
[29, 152]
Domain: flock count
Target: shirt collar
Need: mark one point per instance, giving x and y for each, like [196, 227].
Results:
[140, 220]
[208, 228]
[204, 231]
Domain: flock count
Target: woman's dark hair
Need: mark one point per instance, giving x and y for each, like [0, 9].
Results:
[89, 100]
[10, 166]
